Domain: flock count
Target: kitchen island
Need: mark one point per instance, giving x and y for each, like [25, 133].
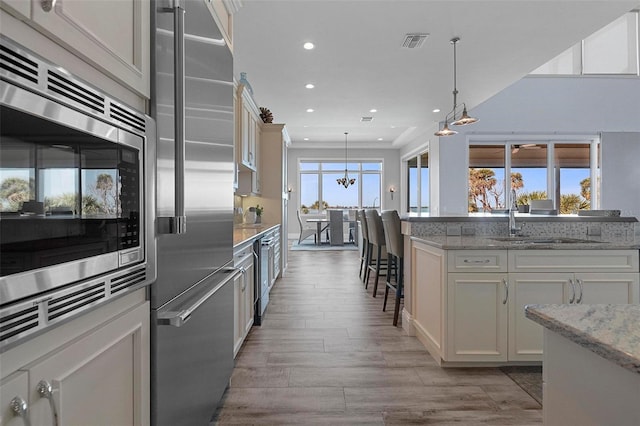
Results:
[591, 367]
[468, 281]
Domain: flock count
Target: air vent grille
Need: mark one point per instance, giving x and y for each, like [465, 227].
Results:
[366, 119]
[77, 300]
[75, 92]
[19, 65]
[18, 322]
[128, 280]
[413, 41]
[126, 116]
[26, 69]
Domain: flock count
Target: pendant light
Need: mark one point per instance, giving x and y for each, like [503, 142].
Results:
[345, 181]
[464, 119]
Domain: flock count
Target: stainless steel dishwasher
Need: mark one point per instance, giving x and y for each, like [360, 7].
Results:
[266, 272]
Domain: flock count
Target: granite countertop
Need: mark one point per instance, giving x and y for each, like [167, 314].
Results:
[245, 233]
[526, 243]
[610, 331]
[502, 217]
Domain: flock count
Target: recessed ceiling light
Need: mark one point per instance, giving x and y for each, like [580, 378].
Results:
[308, 45]
[305, 126]
[310, 110]
[393, 127]
[306, 139]
[436, 110]
[309, 86]
[380, 139]
[373, 110]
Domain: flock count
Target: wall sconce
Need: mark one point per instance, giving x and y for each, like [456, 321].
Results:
[289, 189]
[392, 189]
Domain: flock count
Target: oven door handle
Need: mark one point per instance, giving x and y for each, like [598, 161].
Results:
[177, 224]
[178, 317]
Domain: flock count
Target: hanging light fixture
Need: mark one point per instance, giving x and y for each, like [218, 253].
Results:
[345, 181]
[451, 116]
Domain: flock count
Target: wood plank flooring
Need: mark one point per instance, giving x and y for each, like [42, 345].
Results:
[327, 354]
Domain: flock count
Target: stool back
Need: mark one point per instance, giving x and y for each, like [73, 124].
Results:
[374, 224]
[392, 233]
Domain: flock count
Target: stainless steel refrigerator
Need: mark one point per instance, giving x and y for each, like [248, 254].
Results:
[192, 300]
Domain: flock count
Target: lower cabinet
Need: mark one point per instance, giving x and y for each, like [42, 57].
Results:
[243, 297]
[98, 378]
[468, 305]
[477, 317]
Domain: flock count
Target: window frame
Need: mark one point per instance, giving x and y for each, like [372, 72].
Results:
[551, 141]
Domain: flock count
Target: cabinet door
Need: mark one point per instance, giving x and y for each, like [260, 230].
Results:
[477, 317]
[617, 288]
[249, 297]
[13, 386]
[99, 379]
[238, 312]
[525, 336]
[113, 36]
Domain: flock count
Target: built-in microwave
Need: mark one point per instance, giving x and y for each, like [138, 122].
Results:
[76, 195]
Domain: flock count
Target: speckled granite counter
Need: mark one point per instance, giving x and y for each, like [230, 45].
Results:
[527, 243]
[610, 331]
[246, 233]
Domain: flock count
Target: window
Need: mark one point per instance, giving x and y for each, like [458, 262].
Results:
[320, 191]
[610, 50]
[528, 163]
[418, 183]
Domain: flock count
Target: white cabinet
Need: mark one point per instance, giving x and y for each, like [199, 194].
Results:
[248, 121]
[243, 296]
[98, 371]
[473, 311]
[477, 317]
[114, 37]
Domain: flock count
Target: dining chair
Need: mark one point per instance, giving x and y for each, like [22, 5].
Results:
[306, 230]
[336, 229]
[377, 240]
[395, 253]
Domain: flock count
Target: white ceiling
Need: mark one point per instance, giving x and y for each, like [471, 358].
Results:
[359, 64]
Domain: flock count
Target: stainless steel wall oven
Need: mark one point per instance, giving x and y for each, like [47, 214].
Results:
[76, 195]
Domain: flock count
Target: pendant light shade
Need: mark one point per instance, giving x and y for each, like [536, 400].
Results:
[345, 181]
[464, 119]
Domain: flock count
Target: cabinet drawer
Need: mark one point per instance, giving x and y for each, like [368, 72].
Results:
[573, 261]
[477, 261]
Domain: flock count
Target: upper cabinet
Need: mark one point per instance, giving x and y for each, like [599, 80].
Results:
[223, 11]
[113, 37]
[248, 116]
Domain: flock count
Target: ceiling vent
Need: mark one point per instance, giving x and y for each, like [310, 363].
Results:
[366, 119]
[413, 41]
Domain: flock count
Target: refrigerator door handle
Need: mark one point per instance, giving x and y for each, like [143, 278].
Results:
[177, 224]
[178, 317]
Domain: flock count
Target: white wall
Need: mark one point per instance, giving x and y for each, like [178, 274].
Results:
[390, 175]
[554, 106]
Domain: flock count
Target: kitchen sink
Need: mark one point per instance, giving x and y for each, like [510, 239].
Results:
[543, 240]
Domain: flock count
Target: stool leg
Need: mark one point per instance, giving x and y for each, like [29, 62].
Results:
[378, 260]
[386, 288]
[399, 284]
[368, 262]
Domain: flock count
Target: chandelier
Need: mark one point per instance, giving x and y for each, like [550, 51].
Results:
[345, 181]
[451, 116]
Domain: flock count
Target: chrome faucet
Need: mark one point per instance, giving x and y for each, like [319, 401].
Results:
[513, 207]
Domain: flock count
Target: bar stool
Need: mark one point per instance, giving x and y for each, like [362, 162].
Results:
[395, 252]
[365, 250]
[377, 241]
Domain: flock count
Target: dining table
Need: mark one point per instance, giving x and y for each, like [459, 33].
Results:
[319, 226]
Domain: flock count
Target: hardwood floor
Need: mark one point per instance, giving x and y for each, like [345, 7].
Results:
[327, 354]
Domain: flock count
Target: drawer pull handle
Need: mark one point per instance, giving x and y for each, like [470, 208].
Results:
[573, 291]
[476, 262]
[580, 287]
[506, 291]
[19, 408]
[45, 390]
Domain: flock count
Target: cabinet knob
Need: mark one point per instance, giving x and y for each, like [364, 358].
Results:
[45, 390]
[19, 408]
[47, 5]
